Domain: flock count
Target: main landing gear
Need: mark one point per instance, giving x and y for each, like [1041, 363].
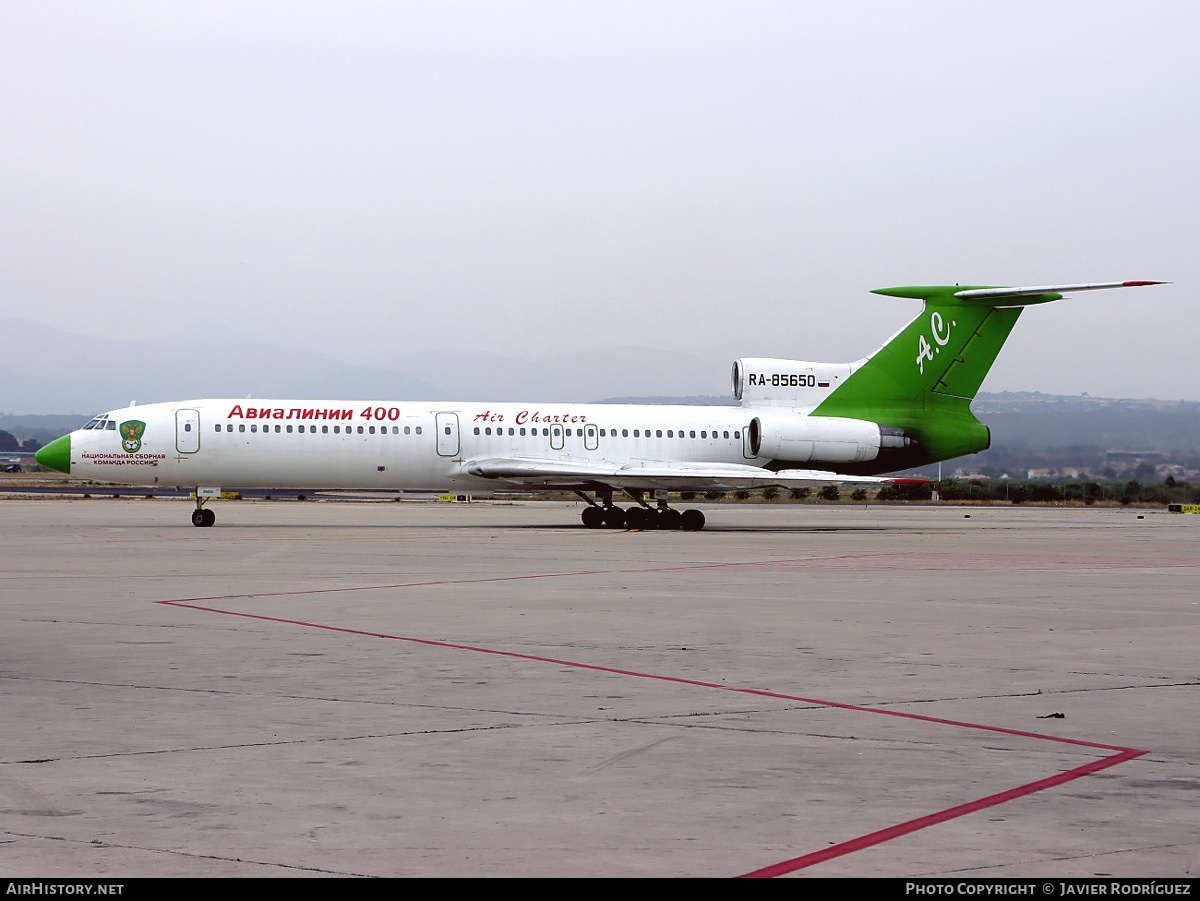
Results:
[643, 518]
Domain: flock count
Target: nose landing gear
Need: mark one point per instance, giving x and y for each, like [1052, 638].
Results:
[200, 516]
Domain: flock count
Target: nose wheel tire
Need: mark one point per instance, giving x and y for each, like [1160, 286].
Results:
[202, 518]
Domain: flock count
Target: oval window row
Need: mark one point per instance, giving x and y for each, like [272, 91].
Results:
[325, 429]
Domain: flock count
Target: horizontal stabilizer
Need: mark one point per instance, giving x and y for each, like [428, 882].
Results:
[1001, 296]
[995, 293]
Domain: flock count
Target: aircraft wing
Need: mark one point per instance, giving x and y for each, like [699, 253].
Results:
[543, 473]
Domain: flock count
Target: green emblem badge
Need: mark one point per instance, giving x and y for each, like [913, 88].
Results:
[131, 435]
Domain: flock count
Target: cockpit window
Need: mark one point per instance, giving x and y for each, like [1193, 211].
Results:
[112, 425]
[100, 421]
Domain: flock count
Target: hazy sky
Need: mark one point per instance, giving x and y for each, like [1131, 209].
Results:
[537, 178]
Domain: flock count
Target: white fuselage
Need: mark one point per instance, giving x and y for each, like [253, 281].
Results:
[361, 445]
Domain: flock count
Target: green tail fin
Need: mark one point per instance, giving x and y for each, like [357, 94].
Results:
[923, 379]
[946, 350]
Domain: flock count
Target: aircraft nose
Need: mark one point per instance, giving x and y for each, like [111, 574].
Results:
[56, 455]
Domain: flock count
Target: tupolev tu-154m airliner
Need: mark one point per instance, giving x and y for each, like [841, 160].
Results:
[799, 423]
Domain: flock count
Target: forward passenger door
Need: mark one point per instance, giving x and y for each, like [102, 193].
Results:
[187, 431]
[446, 425]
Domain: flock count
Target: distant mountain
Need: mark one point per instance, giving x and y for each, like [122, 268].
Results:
[43, 368]
[46, 369]
[42, 428]
[577, 375]
[1030, 420]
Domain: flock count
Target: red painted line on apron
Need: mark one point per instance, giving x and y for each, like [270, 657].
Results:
[487, 579]
[883, 835]
[679, 680]
[788, 866]
[924, 559]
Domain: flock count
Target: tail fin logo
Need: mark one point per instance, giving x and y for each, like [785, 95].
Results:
[924, 351]
[131, 435]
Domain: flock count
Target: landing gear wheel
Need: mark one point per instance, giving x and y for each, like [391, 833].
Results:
[198, 517]
[691, 520]
[635, 518]
[614, 517]
[209, 517]
[593, 517]
[669, 519]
